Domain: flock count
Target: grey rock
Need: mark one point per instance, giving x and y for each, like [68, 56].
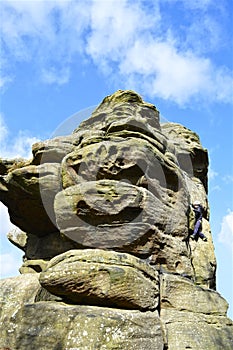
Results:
[106, 278]
[106, 219]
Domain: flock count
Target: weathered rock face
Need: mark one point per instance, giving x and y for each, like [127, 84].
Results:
[188, 150]
[105, 220]
[108, 278]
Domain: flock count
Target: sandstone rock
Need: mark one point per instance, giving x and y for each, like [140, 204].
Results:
[14, 293]
[203, 259]
[58, 326]
[202, 255]
[18, 238]
[127, 106]
[96, 277]
[192, 157]
[123, 183]
[180, 293]
[7, 165]
[107, 213]
[187, 330]
[197, 193]
[122, 142]
[33, 266]
[54, 150]
[132, 150]
[193, 315]
[46, 247]
[123, 160]
[29, 194]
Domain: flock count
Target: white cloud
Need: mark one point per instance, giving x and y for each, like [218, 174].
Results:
[215, 188]
[10, 257]
[137, 43]
[47, 33]
[228, 179]
[167, 73]
[56, 76]
[3, 130]
[154, 60]
[197, 35]
[225, 235]
[212, 174]
[9, 264]
[4, 79]
[6, 225]
[114, 28]
[18, 147]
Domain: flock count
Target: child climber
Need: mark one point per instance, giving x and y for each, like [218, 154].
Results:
[198, 211]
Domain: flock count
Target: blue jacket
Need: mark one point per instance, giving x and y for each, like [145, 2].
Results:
[198, 212]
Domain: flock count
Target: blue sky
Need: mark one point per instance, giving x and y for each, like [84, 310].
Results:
[60, 57]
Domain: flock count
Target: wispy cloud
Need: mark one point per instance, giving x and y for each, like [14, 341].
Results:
[212, 174]
[55, 76]
[165, 72]
[159, 60]
[225, 235]
[228, 179]
[48, 33]
[140, 43]
[10, 257]
[9, 264]
[215, 188]
[17, 147]
[3, 130]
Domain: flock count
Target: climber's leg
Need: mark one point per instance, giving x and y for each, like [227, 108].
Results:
[203, 237]
[196, 230]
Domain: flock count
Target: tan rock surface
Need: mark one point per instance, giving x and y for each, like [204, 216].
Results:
[102, 278]
[106, 217]
[15, 292]
[190, 330]
[58, 326]
[183, 295]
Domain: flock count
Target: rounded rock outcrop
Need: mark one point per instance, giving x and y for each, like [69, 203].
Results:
[105, 217]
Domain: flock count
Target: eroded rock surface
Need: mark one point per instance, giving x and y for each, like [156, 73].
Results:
[107, 278]
[104, 222]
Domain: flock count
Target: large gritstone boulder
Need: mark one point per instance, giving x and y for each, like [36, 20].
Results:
[104, 218]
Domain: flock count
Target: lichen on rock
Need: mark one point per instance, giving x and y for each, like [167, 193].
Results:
[104, 221]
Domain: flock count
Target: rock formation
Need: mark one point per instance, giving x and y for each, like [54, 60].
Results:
[104, 221]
